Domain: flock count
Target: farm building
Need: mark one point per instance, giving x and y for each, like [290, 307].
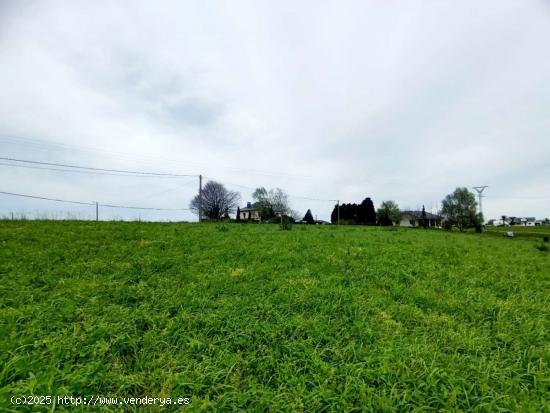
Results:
[249, 212]
[415, 219]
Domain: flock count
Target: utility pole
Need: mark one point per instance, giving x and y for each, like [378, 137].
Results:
[200, 198]
[479, 190]
[96, 212]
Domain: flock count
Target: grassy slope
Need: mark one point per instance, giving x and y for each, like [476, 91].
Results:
[533, 233]
[317, 318]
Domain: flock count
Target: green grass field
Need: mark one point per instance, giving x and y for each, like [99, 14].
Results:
[532, 233]
[252, 318]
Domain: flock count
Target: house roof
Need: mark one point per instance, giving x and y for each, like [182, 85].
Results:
[248, 207]
[321, 221]
[418, 214]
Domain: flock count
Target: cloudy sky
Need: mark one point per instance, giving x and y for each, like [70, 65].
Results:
[327, 100]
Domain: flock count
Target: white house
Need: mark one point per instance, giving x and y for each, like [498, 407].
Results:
[528, 222]
[516, 221]
[415, 219]
[249, 213]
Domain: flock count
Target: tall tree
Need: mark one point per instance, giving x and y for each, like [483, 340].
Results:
[262, 203]
[308, 217]
[238, 218]
[279, 201]
[271, 203]
[348, 213]
[217, 201]
[459, 209]
[366, 213]
[388, 213]
[334, 215]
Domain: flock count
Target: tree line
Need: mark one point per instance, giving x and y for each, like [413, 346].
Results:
[355, 214]
[458, 209]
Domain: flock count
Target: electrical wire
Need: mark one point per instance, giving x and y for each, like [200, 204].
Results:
[45, 198]
[144, 208]
[94, 169]
[149, 159]
[82, 172]
[156, 194]
[92, 203]
[253, 189]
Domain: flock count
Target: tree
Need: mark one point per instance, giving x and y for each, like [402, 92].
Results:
[217, 201]
[334, 215]
[294, 215]
[279, 201]
[238, 218]
[424, 221]
[366, 213]
[388, 213]
[348, 213]
[271, 203]
[459, 209]
[308, 217]
[263, 204]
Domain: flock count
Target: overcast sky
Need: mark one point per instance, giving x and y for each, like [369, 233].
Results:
[327, 100]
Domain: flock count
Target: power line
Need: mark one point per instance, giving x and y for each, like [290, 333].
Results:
[290, 195]
[149, 159]
[82, 172]
[156, 194]
[92, 203]
[528, 198]
[95, 169]
[47, 199]
[145, 208]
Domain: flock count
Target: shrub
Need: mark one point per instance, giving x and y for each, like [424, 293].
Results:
[286, 224]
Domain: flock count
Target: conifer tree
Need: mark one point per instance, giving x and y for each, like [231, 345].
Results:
[308, 217]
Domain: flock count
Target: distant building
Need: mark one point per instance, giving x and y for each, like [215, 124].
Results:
[517, 221]
[415, 219]
[528, 222]
[322, 222]
[249, 213]
[499, 222]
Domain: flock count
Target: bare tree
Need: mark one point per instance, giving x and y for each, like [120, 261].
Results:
[295, 215]
[279, 201]
[217, 201]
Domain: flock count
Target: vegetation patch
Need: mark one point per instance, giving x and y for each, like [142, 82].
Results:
[254, 318]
